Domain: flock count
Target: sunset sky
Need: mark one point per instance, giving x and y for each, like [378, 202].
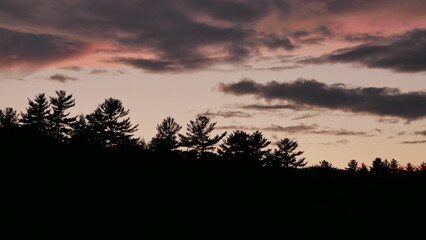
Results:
[346, 79]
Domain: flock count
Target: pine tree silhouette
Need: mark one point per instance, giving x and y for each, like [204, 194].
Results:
[37, 114]
[8, 118]
[410, 167]
[82, 133]
[198, 137]
[379, 166]
[60, 122]
[324, 164]
[109, 125]
[245, 148]
[166, 138]
[363, 168]
[422, 167]
[394, 166]
[352, 165]
[286, 155]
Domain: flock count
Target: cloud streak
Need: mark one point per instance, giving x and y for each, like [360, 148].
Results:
[314, 129]
[261, 107]
[316, 95]
[61, 78]
[227, 114]
[414, 142]
[31, 50]
[403, 53]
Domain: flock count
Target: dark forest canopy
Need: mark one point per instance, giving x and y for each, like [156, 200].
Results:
[68, 176]
[109, 127]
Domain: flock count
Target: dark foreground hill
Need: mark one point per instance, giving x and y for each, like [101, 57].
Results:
[59, 191]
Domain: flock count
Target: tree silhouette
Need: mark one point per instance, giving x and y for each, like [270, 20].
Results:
[82, 132]
[8, 118]
[394, 166]
[363, 168]
[352, 166]
[324, 164]
[379, 166]
[198, 137]
[248, 148]
[422, 167]
[286, 155]
[166, 140]
[410, 167]
[61, 123]
[109, 125]
[37, 114]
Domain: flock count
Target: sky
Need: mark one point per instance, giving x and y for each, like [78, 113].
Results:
[345, 79]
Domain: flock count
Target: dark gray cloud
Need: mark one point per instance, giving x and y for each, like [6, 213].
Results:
[32, 50]
[226, 114]
[295, 129]
[237, 127]
[270, 107]
[313, 40]
[181, 35]
[235, 11]
[364, 37]
[73, 68]
[160, 66]
[403, 53]
[325, 30]
[274, 68]
[313, 94]
[388, 120]
[98, 71]
[61, 78]
[301, 128]
[178, 36]
[414, 142]
[338, 142]
[420, 132]
[300, 33]
[340, 132]
[314, 129]
[274, 42]
[305, 116]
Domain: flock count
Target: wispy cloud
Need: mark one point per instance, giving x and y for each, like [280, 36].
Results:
[61, 78]
[261, 107]
[227, 114]
[340, 132]
[414, 142]
[32, 50]
[336, 143]
[305, 129]
[72, 68]
[98, 71]
[402, 53]
[420, 132]
[301, 128]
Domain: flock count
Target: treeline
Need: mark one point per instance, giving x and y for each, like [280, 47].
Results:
[109, 127]
[63, 177]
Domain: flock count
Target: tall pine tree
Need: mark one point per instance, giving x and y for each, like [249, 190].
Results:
[109, 125]
[37, 115]
[244, 149]
[8, 118]
[286, 155]
[60, 122]
[166, 138]
[198, 137]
